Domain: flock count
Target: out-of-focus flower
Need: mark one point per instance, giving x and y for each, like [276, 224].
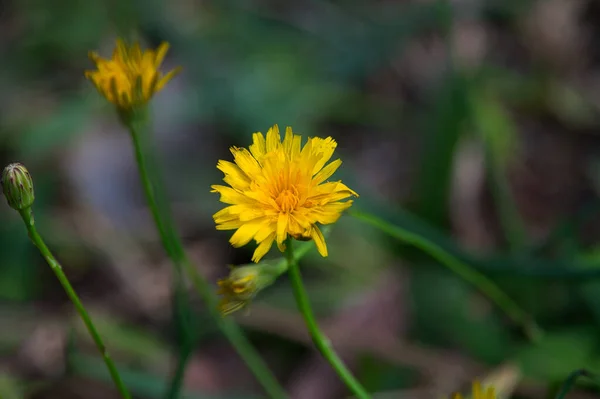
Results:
[17, 186]
[244, 282]
[280, 188]
[479, 392]
[131, 77]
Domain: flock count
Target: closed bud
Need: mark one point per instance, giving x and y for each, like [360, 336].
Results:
[244, 282]
[17, 186]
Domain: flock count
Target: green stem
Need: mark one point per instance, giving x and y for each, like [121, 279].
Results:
[181, 309]
[175, 250]
[320, 340]
[27, 216]
[236, 337]
[480, 281]
[570, 382]
[136, 124]
[176, 383]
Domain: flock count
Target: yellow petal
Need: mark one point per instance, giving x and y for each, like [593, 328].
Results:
[165, 79]
[230, 225]
[324, 199]
[325, 149]
[263, 248]
[161, 51]
[251, 213]
[258, 146]
[302, 219]
[330, 188]
[288, 142]
[281, 246]
[245, 233]
[477, 390]
[230, 195]
[319, 239]
[235, 177]
[296, 145]
[294, 228]
[273, 139]
[265, 232]
[282, 224]
[225, 215]
[327, 171]
[247, 163]
[306, 153]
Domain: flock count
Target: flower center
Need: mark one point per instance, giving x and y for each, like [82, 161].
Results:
[287, 199]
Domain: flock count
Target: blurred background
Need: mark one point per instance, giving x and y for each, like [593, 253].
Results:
[472, 123]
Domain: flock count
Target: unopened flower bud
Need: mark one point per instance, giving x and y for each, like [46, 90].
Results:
[244, 282]
[17, 186]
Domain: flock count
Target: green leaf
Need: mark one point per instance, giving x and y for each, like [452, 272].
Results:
[447, 122]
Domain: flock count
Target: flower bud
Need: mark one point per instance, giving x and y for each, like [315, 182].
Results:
[244, 282]
[17, 186]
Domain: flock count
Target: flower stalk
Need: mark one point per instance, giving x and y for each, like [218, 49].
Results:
[136, 122]
[319, 339]
[463, 270]
[17, 186]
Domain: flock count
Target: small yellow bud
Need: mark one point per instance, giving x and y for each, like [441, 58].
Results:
[17, 186]
[244, 282]
[479, 392]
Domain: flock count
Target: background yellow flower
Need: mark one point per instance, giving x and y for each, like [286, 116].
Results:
[131, 77]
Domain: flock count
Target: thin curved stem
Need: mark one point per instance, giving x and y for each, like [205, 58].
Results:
[27, 216]
[571, 380]
[151, 182]
[319, 339]
[471, 275]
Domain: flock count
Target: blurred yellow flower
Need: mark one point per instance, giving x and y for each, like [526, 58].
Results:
[236, 294]
[131, 77]
[479, 392]
[245, 282]
[278, 189]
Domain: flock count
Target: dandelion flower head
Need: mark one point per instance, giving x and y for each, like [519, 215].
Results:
[479, 392]
[131, 77]
[278, 189]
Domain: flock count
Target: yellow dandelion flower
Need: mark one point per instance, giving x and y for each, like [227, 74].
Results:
[131, 77]
[278, 189]
[479, 392]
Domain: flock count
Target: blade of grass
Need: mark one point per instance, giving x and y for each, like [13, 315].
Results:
[465, 271]
[567, 269]
[433, 184]
[570, 382]
[499, 137]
